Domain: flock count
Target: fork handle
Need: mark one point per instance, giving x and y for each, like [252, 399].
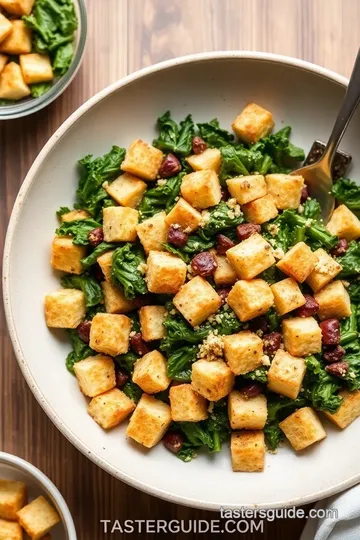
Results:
[348, 107]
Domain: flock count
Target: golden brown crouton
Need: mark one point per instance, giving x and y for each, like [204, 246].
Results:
[12, 498]
[303, 428]
[201, 189]
[298, 262]
[109, 334]
[247, 413]
[286, 374]
[248, 451]
[302, 336]
[253, 123]
[150, 373]
[66, 256]
[197, 300]
[165, 273]
[213, 380]
[348, 411]
[251, 257]
[142, 160]
[149, 422]
[64, 308]
[38, 517]
[250, 299]
[110, 408]
[186, 404]
[243, 352]
[95, 375]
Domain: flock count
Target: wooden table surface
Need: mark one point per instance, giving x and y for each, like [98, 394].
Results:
[123, 36]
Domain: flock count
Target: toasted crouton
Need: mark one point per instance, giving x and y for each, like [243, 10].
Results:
[12, 498]
[149, 422]
[303, 428]
[38, 517]
[248, 451]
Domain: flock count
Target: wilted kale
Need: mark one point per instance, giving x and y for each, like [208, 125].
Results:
[91, 196]
[232, 163]
[258, 375]
[175, 138]
[289, 223]
[160, 197]
[349, 334]
[220, 219]
[80, 350]
[321, 388]
[214, 135]
[283, 153]
[278, 409]
[350, 261]
[91, 259]
[312, 209]
[62, 210]
[125, 270]
[53, 23]
[273, 320]
[94, 310]
[195, 244]
[132, 390]
[88, 285]
[354, 291]
[347, 192]
[179, 362]
[37, 90]
[127, 361]
[208, 434]
[78, 230]
[352, 377]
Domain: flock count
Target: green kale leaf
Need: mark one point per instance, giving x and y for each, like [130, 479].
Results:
[350, 261]
[258, 375]
[179, 363]
[283, 153]
[78, 230]
[132, 390]
[124, 270]
[349, 333]
[173, 137]
[80, 350]
[278, 409]
[37, 90]
[321, 388]
[214, 135]
[88, 285]
[160, 197]
[127, 361]
[91, 196]
[347, 192]
[91, 259]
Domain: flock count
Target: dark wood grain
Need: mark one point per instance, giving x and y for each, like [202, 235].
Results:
[125, 35]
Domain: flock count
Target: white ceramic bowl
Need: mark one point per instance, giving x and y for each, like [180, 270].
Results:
[15, 468]
[218, 84]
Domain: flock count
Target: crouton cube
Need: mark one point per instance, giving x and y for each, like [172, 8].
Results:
[3, 61]
[142, 160]
[115, 300]
[186, 404]
[151, 322]
[209, 160]
[243, 352]
[287, 296]
[253, 123]
[127, 190]
[64, 308]
[224, 274]
[95, 375]
[66, 256]
[285, 189]
[251, 257]
[213, 380]
[10, 530]
[17, 7]
[197, 300]
[165, 273]
[185, 215]
[248, 451]
[261, 210]
[120, 224]
[302, 336]
[298, 262]
[344, 224]
[150, 373]
[36, 68]
[18, 41]
[324, 270]
[110, 408]
[5, 27]
[149, 422]
[303, 428]
[12, 498]
[201, 189]
[75, 215]
[12, 85]
[246, 413]
[109, 334]
[152, 232]
[246, 189]
[249, 299]
[286, 374]
[105, 263]
[38, 517]
[334, 301]
[348, 411]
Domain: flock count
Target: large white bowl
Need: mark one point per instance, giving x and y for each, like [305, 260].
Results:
[218, 84]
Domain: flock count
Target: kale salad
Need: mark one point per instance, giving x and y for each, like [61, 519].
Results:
[205, 299]
[36, 46]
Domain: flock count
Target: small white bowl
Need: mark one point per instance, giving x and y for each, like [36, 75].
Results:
[15, 468]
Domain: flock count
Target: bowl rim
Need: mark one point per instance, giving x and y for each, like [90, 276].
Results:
[14, 218]
[49, 489]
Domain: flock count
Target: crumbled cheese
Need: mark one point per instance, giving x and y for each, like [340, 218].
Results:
[237, 211]
[345, 283]
[259, 333]
[173, 312]
[278, 253]
[273, 229]
[205, 217]
[325, 266]
[211, 407]
[132, 333]
[187, 230]
[211, 348]
[308, 222]
[161, 182]
[105, 184]
[300, 209]
[231, 203]
[272, 241]
[265, 360]
[230, 214]
[142, 268]
[176, 226]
